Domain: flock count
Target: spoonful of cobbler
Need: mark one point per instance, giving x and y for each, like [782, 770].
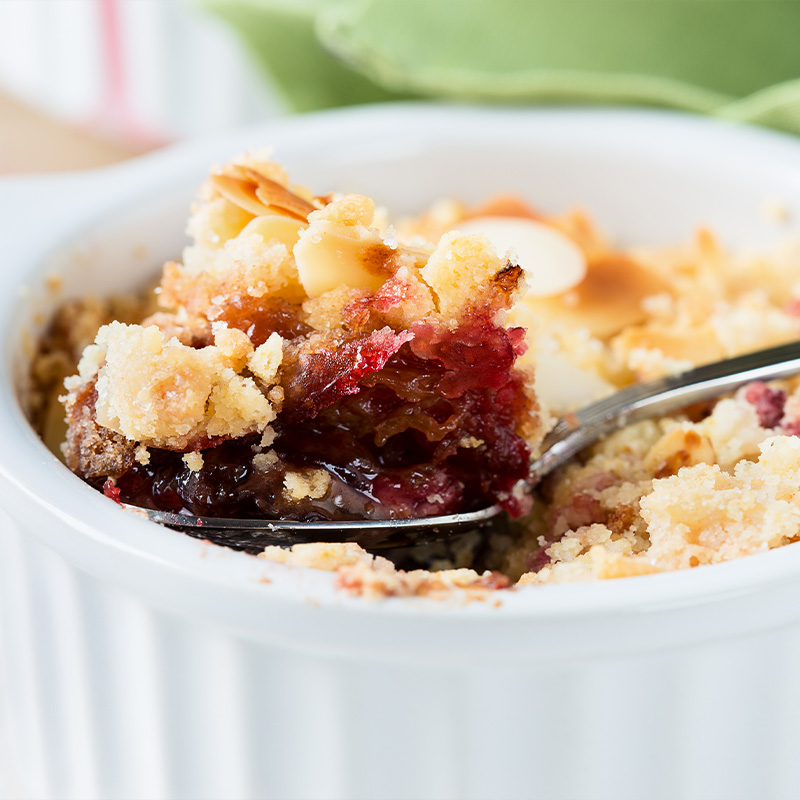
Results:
[307, 364]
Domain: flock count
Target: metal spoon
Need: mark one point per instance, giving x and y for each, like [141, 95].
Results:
[253, 535]
[570, 435]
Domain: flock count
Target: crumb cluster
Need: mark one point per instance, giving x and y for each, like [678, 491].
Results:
[364, 575]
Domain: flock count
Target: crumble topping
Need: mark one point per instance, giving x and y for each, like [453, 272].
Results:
[265, 361]
[263, 461]
[361, 574]
[452, 277]
[703, 514]
[313, 483]
[142, 454]
[161, 393]
[674, 494]
[328, 556]
[194, 461]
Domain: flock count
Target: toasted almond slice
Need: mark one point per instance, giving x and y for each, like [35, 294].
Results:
[606, 301]
[277, 208]
[679, 448]
[275, 227]
[328, 257]
[240, 192]
[273, 194]
[553, 263]
[698, 344]
[562, 385]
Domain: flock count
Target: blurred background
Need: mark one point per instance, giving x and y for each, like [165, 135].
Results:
[88, 82]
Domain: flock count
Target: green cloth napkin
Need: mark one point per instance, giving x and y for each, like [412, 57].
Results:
[738, 59]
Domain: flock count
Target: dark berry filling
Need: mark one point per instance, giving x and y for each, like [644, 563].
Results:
[407, 424]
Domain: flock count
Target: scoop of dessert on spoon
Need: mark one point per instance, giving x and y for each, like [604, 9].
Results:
[571, 434]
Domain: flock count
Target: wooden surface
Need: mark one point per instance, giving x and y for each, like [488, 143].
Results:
[31, 142]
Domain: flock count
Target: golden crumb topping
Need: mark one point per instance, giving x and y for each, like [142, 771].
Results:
[161, 393]
[375, 578]
[313, 483]
[194, 461]
[673, 493]
[703, 514]
[328, 556]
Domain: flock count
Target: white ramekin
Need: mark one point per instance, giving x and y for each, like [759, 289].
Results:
[140, 663]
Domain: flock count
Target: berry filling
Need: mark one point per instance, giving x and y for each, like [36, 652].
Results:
[402, 435]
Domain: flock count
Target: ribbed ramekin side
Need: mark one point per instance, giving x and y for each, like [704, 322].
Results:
[718, 720]
[713, 721]
[24, 703]
[79, 681]
[110, 698]
[113, 698]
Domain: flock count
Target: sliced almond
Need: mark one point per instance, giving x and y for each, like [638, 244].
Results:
[276, 196]
[259, 195]
[329, 255]
[679, 448]
[606, 301]
[553, 263]
[273, 227]
[562, 385]
[240, 192]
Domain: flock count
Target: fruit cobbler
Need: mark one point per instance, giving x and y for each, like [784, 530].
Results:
[308, 360]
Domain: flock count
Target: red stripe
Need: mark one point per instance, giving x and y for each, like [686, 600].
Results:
[115, 109]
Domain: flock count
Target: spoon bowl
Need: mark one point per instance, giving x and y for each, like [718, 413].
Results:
[253, 535]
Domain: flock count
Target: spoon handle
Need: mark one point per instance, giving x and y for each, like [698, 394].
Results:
[651, 399]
